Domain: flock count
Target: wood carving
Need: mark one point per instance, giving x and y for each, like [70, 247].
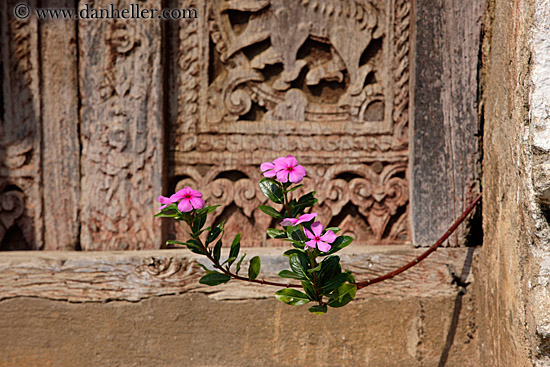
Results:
[121, 132]
[20, 194]
[324, 80]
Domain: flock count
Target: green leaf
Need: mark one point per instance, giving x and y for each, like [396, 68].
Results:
[308, 288]
[317, 268]
[343, 295]
[198, 223]
[338, 244]
[292, 297]
[207, 210]
[306, 201]
[295, 188]
[290, 275]
[296, 234]
[276, 233]
[272, 190]
[214, 278]
[270, 211]
[192, 245]
[254, 268]
[318, 309]
[238, 266]
[299, 264]
[167, 214]
[208, 271]
[217, 250]
[287, 253]
[215, 233]
[235, 248]
[330, 267]
[195, 246]
[334, 283]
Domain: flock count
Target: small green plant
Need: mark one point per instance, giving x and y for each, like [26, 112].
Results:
[312, 259]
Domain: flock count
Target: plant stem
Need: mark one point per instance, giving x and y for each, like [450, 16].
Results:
[425, 254]
[238, 277]
[314, 274]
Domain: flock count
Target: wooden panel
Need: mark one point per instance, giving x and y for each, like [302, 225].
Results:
[21, 223]
[445, 152]
[132, 276]
[61, 148]
[122, 136]
[326, 81]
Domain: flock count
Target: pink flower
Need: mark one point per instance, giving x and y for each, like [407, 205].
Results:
[322, 242]
[288, 170]
[302, 219]
[268, 168]
[190, 199]
[164, 200]
[285, 168]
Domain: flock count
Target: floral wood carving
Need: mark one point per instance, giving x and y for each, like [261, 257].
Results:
[20, 169]
[326, 81]
[121, 133]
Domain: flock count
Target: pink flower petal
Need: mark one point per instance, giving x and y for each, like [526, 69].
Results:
[271, 173]
[164, 200]
[282, 176]
[291, 160]
[300, 170]
[306, 218]
[194, 193]
[317, 229]
[266, 166]
[328, 237]
[294, 177]
[311, 244]
[309, 235]
[323, 246]
[289, 222]
[197, 203]
[280, 164]
[185, 205]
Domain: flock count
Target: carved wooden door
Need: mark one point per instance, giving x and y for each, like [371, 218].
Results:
[102, 116]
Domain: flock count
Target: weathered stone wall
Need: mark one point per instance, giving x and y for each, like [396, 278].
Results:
[146, 308]
[513, 268]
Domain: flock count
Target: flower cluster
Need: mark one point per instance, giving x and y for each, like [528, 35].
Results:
[190, 199]
[285, 169]
[322, 281]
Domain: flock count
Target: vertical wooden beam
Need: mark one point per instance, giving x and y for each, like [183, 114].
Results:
[445, 151]
[61, 147]
[122, 135]
[21, 223]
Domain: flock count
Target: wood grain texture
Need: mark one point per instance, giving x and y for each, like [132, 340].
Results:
[445, 152]
[132, 276]
[61, 148]
[21, 222]
[122, 135]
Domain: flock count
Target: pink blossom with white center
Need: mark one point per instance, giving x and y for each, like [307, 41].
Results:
[319, 240]
[190, 199]
[268, 168]
[302, 219]
[288, 169]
